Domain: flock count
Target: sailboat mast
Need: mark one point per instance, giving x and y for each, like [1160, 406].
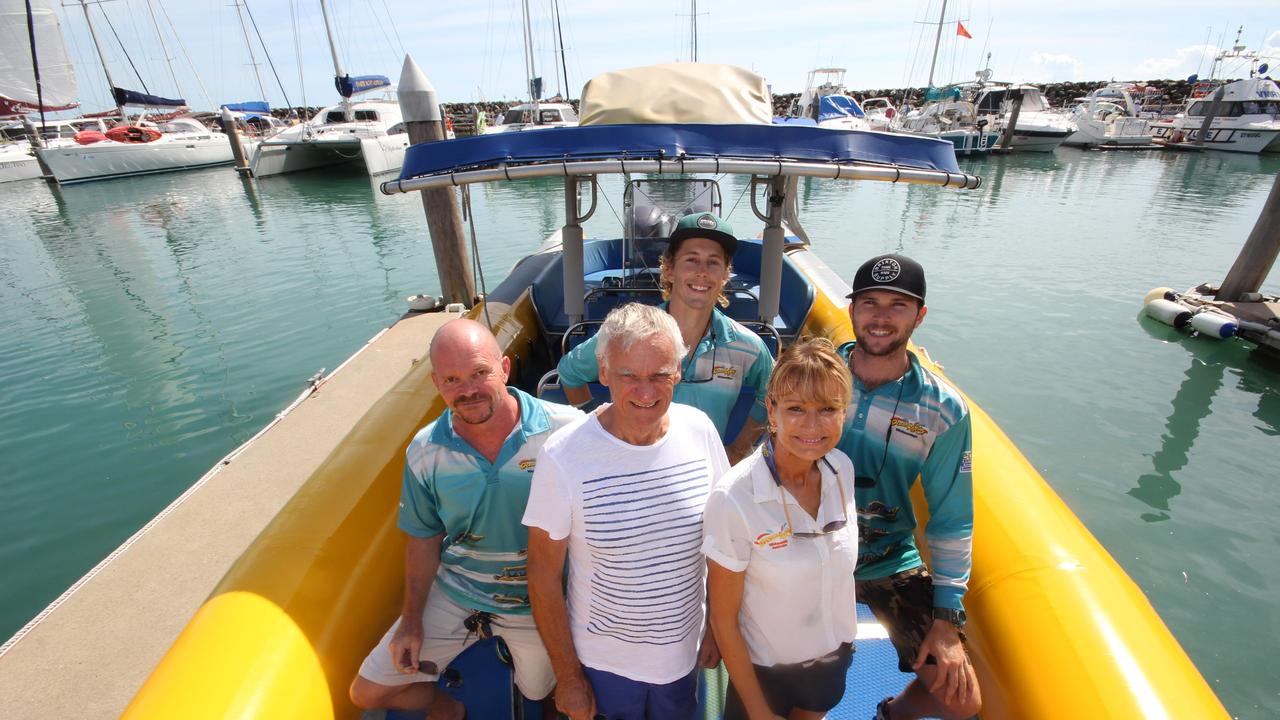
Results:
[693, 30]
[333, 50]
[249, 46]
[937, 41]
[111, 84]
[563, 65]
[529, 68]
[164, 50]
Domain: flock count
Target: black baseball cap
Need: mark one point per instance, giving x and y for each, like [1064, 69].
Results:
[705, 225]
[895, 272]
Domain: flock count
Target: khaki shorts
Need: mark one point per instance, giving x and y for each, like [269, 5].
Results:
[445, 637]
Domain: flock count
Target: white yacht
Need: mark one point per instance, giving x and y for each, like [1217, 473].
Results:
[1110, 117]
[826, 102]
[881, 114]
[177, 144]
[1246, 120]
[1037, 130]
[535, 116]
[20, 25]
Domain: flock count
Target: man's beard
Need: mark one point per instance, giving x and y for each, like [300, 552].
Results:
[486, 412]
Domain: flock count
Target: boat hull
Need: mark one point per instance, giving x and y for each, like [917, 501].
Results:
[377, 155]
[108, 160]
[291, 621]
[1225, 139]
[16, 163]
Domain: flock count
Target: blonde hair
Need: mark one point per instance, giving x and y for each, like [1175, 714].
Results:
[812, 371]
[665, 262]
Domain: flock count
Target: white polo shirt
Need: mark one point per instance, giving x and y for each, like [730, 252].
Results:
[798, 595]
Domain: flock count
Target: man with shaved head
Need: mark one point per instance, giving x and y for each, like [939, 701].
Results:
[466, 483]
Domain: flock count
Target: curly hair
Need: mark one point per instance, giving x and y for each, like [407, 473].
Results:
[665, 262]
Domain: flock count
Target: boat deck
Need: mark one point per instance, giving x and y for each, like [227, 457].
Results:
[91, 649]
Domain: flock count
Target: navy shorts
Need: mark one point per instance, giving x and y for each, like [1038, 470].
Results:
[620, 698]
[816, 685]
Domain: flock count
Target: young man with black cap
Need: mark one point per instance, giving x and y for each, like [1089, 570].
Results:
[723, 357]
[906, 422]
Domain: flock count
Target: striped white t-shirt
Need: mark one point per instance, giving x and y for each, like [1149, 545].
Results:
[633, 517]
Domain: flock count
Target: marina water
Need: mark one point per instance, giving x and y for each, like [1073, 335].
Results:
[151, 325]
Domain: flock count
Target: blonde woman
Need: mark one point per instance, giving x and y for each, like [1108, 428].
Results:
[781, 540]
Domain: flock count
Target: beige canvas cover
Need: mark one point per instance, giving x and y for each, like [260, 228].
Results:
[696, 93]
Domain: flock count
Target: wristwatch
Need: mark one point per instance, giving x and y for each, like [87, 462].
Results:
[952, 615]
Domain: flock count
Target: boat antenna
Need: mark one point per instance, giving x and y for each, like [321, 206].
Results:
[564, 66]
[248, 45]
[35, 66]
[937, 40]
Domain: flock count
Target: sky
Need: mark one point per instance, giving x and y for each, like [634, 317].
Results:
[473, 49]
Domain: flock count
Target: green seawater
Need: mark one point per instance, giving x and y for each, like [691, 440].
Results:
[151, 325]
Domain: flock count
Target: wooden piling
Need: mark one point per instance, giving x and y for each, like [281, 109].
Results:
[1006, 142]
[424, 123]
[1259, 252]
[237, 149]
[1215, 106]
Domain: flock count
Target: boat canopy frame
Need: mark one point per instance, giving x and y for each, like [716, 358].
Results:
[774, 156]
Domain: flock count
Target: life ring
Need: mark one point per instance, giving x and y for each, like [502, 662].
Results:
[889, 113]
[133, 134]
[89, 137]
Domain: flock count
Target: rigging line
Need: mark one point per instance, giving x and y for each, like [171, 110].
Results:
[377, 20]
[270, 63]
[476, 271]
[185, 54]
[126, 53]
[394, 30]
[742, 194]
[151, 10]
[137, 35]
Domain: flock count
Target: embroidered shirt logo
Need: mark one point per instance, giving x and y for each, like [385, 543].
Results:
[724, 372]
[911, 428]
[775, 539]
[966, 461]
[527, 464]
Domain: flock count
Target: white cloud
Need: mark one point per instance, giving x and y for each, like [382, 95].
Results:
[1055, 67]
[1185, 61]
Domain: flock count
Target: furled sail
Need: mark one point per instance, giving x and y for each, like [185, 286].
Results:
[133, 97]
[348, 86]
[17, 75]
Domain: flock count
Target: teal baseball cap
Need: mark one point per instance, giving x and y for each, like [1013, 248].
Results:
[705, 225]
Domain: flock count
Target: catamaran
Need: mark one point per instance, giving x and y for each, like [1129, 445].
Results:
[369, 132]
[1057, 629]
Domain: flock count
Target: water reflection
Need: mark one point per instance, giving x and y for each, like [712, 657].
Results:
[1211, 361]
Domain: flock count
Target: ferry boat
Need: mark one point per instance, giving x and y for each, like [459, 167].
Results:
[1246, 118]
[288, 608]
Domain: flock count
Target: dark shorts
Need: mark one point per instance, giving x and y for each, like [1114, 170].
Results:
[620, 698]
[816, 685]
[903, 603]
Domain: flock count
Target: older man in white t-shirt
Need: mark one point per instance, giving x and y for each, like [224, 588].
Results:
[621, 493]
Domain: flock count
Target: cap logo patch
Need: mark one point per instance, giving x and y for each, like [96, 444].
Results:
[886, 270]
[706, 222]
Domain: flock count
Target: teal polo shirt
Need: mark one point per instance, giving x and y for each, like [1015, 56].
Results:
[727, 359]
[451, 488]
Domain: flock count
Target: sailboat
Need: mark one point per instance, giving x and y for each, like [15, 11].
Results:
[140, 148]
[370, 133]
[536, 114]
[948, 116]
[28, 88]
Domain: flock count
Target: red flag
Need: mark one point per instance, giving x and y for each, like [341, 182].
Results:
[962, 32]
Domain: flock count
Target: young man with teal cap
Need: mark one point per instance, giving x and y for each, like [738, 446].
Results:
[724, 356]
